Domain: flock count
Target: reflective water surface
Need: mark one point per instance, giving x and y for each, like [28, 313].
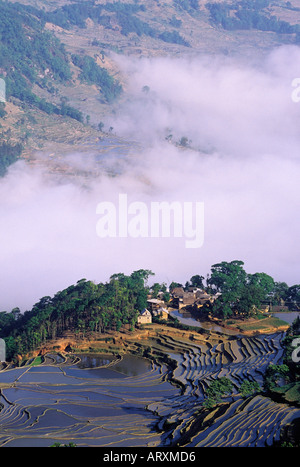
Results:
[100, 401]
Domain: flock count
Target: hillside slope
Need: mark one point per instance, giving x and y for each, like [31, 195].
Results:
[57, 58]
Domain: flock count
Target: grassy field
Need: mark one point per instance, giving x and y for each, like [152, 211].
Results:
[37, 361]
[263, 324]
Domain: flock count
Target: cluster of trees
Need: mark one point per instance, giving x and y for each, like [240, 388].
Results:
[131, 23]
[91, 73]
[26, 51]
[173, 37]
[216, 391]
[188, 5]
[242, 293]
[9, 153]
[222, 387]
[68, 16]
[76, 14]
[175, 22]
[248, 15]
[83, 307]
[24, 93]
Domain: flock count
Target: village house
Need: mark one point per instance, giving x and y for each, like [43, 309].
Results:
[154, 303]
[188, 299]
[182, 298]
[194, 297]
[144, 317]
[177, 292]
[202, 299]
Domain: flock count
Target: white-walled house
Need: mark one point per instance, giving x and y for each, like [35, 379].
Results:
[144, 317]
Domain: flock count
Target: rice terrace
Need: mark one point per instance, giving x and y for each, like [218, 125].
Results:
[154, 382]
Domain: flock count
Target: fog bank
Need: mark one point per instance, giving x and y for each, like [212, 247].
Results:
[241, 160]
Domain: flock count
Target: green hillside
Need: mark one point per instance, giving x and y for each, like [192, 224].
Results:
[80, 308]
[27, 54]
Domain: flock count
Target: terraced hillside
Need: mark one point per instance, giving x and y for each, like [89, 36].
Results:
[111, 405]
[61, 402]
[256, 421]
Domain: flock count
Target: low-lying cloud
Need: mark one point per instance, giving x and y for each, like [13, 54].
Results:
[241, 160]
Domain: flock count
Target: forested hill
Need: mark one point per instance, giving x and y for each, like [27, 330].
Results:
[80, 308]
[26, 52]
[31, 55]
[37, 71]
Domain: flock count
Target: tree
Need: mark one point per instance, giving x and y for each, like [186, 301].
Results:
[16, 313]
[139, 281]
[249, 388]
[240, 292]
[228, 277]
[173, 285]
[262, 281]
[216, 390]
[274, 374]
[249, 300]
[279, 292]
[142, 275]
[155, 289]
[293, 294]
[223, 306]
[197, 281]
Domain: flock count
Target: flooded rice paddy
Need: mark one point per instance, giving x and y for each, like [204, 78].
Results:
[99, 401]
[95, 400]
